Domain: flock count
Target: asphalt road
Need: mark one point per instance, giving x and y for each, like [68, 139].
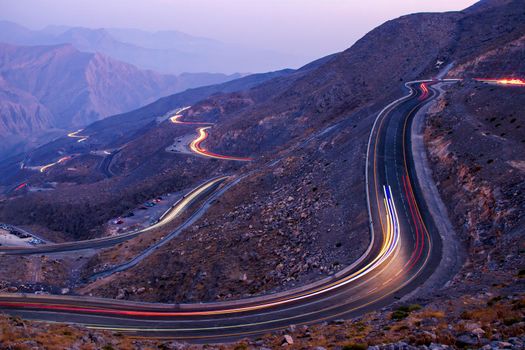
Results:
[404, 251]
[105, 164]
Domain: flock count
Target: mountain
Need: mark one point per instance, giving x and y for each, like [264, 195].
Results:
[298, 212]
[43, 88]
[23, 119]
[264, 118]
[115, 129]
[168, 39]
[170, 52]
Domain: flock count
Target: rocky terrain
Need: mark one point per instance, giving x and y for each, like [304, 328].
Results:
[300, 212]
[481, 181]
[488, 322]
[276, 264]
[290, 229]
[333, 100]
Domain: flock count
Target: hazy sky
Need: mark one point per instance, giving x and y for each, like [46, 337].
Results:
[309, 28]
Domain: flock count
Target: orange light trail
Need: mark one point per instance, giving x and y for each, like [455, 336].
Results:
[76, 136]
[176, 120]
[61, 160]
[196, 147]
[504, 81]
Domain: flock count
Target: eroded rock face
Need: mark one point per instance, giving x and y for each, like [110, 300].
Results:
[475, 142]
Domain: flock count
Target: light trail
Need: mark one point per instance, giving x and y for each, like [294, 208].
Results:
[75, 135]
[168, 216]
[43, 168]
[196, 147]
[176, 120]
[424, 88]
[391, 242]
[418, 226]
[181, 205]
[381, 274]
[503, 81]
[19, 187]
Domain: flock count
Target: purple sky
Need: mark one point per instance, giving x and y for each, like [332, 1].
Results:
[310, 28]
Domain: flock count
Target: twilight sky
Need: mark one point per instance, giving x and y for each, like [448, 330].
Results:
[308, 28]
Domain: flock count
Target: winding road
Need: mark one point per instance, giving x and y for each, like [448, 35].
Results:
[196, 145]
[204, 191]
[75, 135]
[405, 249]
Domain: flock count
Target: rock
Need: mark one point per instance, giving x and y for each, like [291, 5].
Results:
[478, 331]
[504, 345]
[338, 321]
[121, 294]
[173, 346]
[30, 344]
[288, 339]
[483, 341]
[516, 341]
[466, 339]
[470, 326]
[141, 290]
[64, 291]
[96, 338]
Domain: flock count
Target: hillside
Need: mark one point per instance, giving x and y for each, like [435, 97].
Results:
[275, 117]
[45, 88]
[299, 211]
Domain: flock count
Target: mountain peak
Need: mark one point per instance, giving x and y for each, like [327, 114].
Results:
[484, 5]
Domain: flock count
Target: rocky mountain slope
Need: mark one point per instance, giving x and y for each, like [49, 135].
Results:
[300, 215]
[57, 87]
[111, 133]
[277, 115]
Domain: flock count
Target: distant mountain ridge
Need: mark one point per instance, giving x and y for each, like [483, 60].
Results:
[165, 51]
